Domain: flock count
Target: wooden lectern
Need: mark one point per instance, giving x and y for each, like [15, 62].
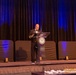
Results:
[41, 42]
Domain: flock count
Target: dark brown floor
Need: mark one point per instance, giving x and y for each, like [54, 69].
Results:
[27, 68]
[29, 63]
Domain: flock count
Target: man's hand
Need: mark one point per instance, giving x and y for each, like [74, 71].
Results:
[31, 36]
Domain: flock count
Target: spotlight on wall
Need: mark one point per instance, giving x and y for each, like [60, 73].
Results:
[6, 60]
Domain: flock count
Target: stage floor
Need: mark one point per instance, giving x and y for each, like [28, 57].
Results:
[29, 63]
[27, 67]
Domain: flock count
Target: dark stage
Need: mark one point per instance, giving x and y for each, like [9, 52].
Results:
[19, 17]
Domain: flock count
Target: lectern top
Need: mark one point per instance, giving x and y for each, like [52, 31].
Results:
[43, 34]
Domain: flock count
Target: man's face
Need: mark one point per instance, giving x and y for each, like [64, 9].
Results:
[37, 27]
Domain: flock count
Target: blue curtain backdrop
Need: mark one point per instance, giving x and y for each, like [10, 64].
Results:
[18, 17]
